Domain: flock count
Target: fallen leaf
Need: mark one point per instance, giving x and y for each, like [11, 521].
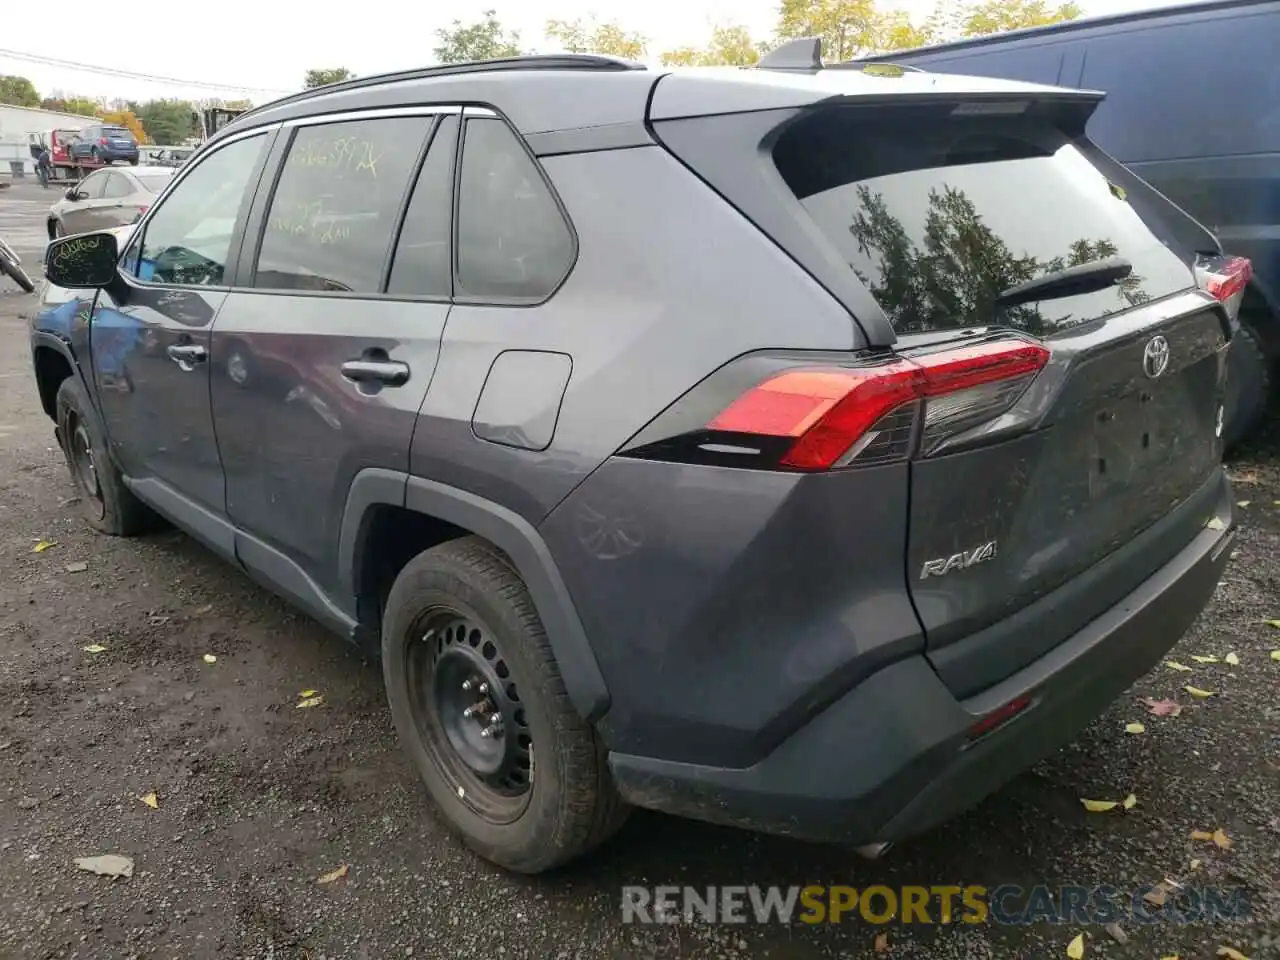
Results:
[151, 800]
[94, 648]
[308, 693]
[1215, 524]
[78, 567]
[1232, 659]
[310, 702]
[1172, 956]
[1130, 801]
[1075, 949]
[1175, 665]
[1163, 708]
[882, 942]
[334, 875]
[1243, 503]
[210, 658]
[1231, 953]
[42, 545]
[107, 865]
[1099, 806]
[207, 608]
[1201, 835]
[1221, 839]
[1157, 895]
[1275, 654]
[1134, 728]
[1198, 693]
[1117, 933]
[1195, 864]
[1203, 659]
[1272, 623]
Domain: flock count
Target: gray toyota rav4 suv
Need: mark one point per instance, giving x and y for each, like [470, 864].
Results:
[809, 449]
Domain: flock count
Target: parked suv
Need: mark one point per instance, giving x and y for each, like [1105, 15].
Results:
[105, 143]
[1221, 166]
[803, 449]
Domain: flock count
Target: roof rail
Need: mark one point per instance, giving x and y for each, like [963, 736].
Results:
[555, 61]
[805, 55]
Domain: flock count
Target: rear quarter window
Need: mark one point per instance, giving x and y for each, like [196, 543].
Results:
[938, 213]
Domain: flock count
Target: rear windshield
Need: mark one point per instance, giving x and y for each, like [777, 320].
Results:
[155, 182]
[120, 132]
[938, 213]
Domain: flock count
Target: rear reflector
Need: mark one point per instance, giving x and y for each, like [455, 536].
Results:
[830, 411]
[998, 717]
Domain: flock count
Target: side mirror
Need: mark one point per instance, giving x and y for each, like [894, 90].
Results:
[86, 261]
[72, 194]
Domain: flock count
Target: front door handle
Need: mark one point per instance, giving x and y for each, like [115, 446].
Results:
[390, 372]
[187, 355]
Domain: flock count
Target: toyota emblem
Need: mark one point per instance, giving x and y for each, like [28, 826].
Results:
[1155, 358]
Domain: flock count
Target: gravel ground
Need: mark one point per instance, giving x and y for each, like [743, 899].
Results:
[258, 799]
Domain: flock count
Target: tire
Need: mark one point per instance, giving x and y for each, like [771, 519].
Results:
[106, 503]
[133, 162]
[569, 805]
[16, 273]
[1248, 386]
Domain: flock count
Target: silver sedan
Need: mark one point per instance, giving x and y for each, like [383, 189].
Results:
[108, 198]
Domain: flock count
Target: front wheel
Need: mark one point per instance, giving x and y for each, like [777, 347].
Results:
[481, 708]
[105, 502]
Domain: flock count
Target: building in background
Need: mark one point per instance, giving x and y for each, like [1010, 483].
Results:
[18, 125]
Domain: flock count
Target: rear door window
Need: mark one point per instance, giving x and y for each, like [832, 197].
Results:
[939, 212]
[91, 187]
[422, 265]
[117, 186]
[333, 215]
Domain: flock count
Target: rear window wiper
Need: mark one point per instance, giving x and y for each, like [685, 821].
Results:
[1086, 278]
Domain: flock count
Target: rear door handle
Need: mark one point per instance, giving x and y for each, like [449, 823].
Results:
[187, 355]
[391, 372]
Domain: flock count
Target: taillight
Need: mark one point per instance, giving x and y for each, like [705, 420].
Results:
[998, 717]
[102, 141]
[1224, 279]
[819, 417]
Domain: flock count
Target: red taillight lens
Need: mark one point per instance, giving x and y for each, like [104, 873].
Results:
[102, 141]
[830, 411]
[1227, 277]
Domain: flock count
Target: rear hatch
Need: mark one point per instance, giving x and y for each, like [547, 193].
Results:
[119, 138]
[975, 222]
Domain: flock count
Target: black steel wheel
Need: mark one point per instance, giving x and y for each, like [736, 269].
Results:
[467, 709]
[481, 708]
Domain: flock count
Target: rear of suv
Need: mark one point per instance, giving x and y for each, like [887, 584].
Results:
[104, 143]
[805, 449]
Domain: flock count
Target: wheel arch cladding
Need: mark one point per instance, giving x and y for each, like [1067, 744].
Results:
[53, 364]
[511, 534]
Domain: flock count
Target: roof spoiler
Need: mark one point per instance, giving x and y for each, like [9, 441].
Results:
[804, 55]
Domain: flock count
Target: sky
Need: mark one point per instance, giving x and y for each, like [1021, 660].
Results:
[261, 50]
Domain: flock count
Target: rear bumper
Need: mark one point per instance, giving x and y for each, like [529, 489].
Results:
[893, 758]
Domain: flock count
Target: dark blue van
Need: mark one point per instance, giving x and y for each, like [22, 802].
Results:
[1193, 107]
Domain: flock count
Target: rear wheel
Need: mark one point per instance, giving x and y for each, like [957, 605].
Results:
[1248, 385]
[108, 505]
[481, 708]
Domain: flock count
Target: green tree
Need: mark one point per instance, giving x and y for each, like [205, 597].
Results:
[848, 28]
[730, 45]
[592, 36]
[996, 16]
[324, 76]
[81, 106]
[483, 40]
[167, 121]
[18, 91]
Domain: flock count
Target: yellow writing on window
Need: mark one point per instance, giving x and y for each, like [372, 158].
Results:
[350, 154]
